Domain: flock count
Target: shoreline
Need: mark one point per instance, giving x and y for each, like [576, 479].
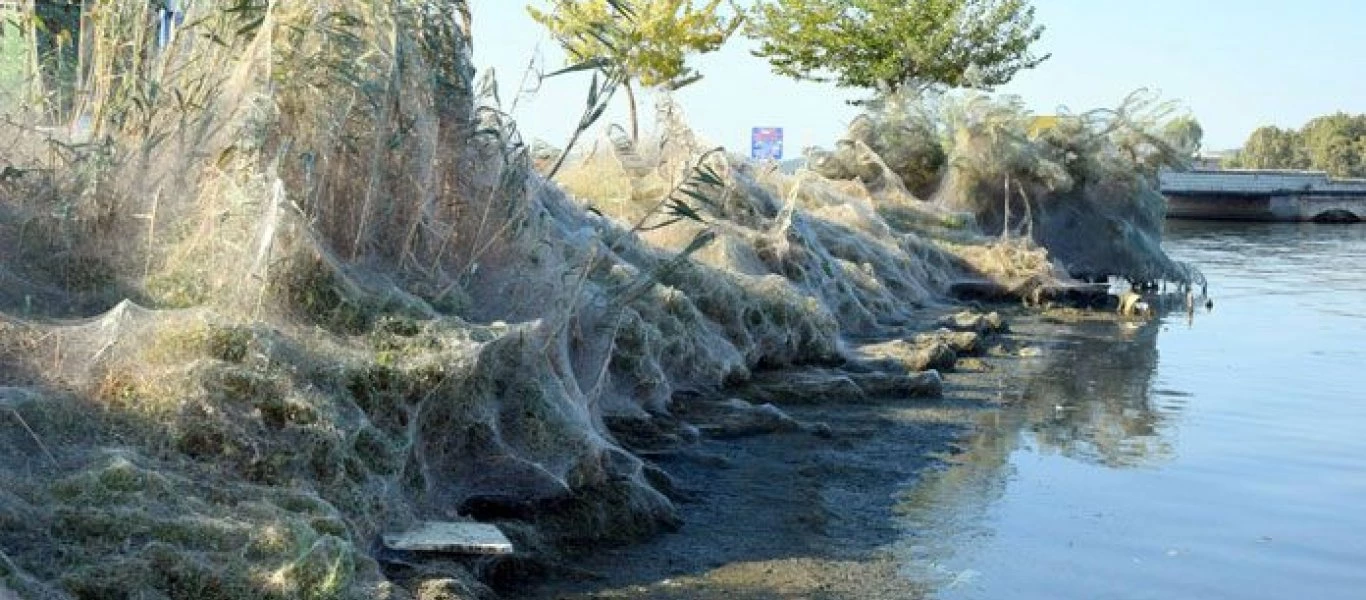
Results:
[802, 514]
[301, 353]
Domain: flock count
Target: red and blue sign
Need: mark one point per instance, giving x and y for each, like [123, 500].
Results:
[766, 143]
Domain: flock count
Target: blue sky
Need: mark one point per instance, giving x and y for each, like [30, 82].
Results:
[1235, 64]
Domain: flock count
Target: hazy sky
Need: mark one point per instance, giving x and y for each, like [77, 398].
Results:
[1235, 64]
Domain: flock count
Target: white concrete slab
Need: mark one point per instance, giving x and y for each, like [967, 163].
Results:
[1268, 182]
[451, 537]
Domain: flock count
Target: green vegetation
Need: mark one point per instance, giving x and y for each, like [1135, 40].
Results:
[1334, 143]
[13, 55]
[45, 39]
[58, 31]
[648, 40]
[1184, 134]
[1270, 147]
[888, 45]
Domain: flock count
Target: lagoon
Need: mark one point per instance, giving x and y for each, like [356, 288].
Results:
[1219, 456]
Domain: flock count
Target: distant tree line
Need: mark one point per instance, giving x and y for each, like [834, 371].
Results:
[1334, 143]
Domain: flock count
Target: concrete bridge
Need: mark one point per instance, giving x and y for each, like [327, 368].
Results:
[1263, 195]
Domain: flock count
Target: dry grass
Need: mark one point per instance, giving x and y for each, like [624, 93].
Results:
[598, 178]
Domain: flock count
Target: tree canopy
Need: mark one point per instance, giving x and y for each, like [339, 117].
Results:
[649, 40]
[888, 45]
[1271, 147]
[1184, 134]
[1334, 143]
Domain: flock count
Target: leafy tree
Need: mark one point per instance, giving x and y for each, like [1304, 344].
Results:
[1334, 143]
[1184, 134]
[1270, 147]
[888, 45]
[649, 40]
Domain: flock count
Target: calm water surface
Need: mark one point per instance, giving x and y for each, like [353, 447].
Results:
[1219, 458]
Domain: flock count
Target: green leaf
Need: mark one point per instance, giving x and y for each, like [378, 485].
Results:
[595, 114]
[674, 86]
[700, 241]
[597, 63]
[623, 7]
[660, 225]
[708, 176]
[681, 209]
[251, 27]
[593, 92]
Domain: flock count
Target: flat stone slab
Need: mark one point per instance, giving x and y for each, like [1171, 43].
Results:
[451, 537]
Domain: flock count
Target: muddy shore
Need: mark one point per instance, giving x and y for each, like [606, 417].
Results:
[809, 513]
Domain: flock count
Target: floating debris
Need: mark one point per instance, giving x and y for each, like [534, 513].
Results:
[451, 537]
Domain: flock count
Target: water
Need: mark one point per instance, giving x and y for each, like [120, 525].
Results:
[1219, 458]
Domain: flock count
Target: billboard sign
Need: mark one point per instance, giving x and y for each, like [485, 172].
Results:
[766, 143]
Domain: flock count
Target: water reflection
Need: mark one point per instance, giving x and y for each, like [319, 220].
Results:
[1233, 469]
[1095, 402]
[1096, 405]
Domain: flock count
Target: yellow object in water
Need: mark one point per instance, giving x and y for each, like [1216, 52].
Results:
[1131, 304]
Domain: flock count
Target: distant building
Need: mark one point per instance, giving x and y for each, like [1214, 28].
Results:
[1211, 160]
